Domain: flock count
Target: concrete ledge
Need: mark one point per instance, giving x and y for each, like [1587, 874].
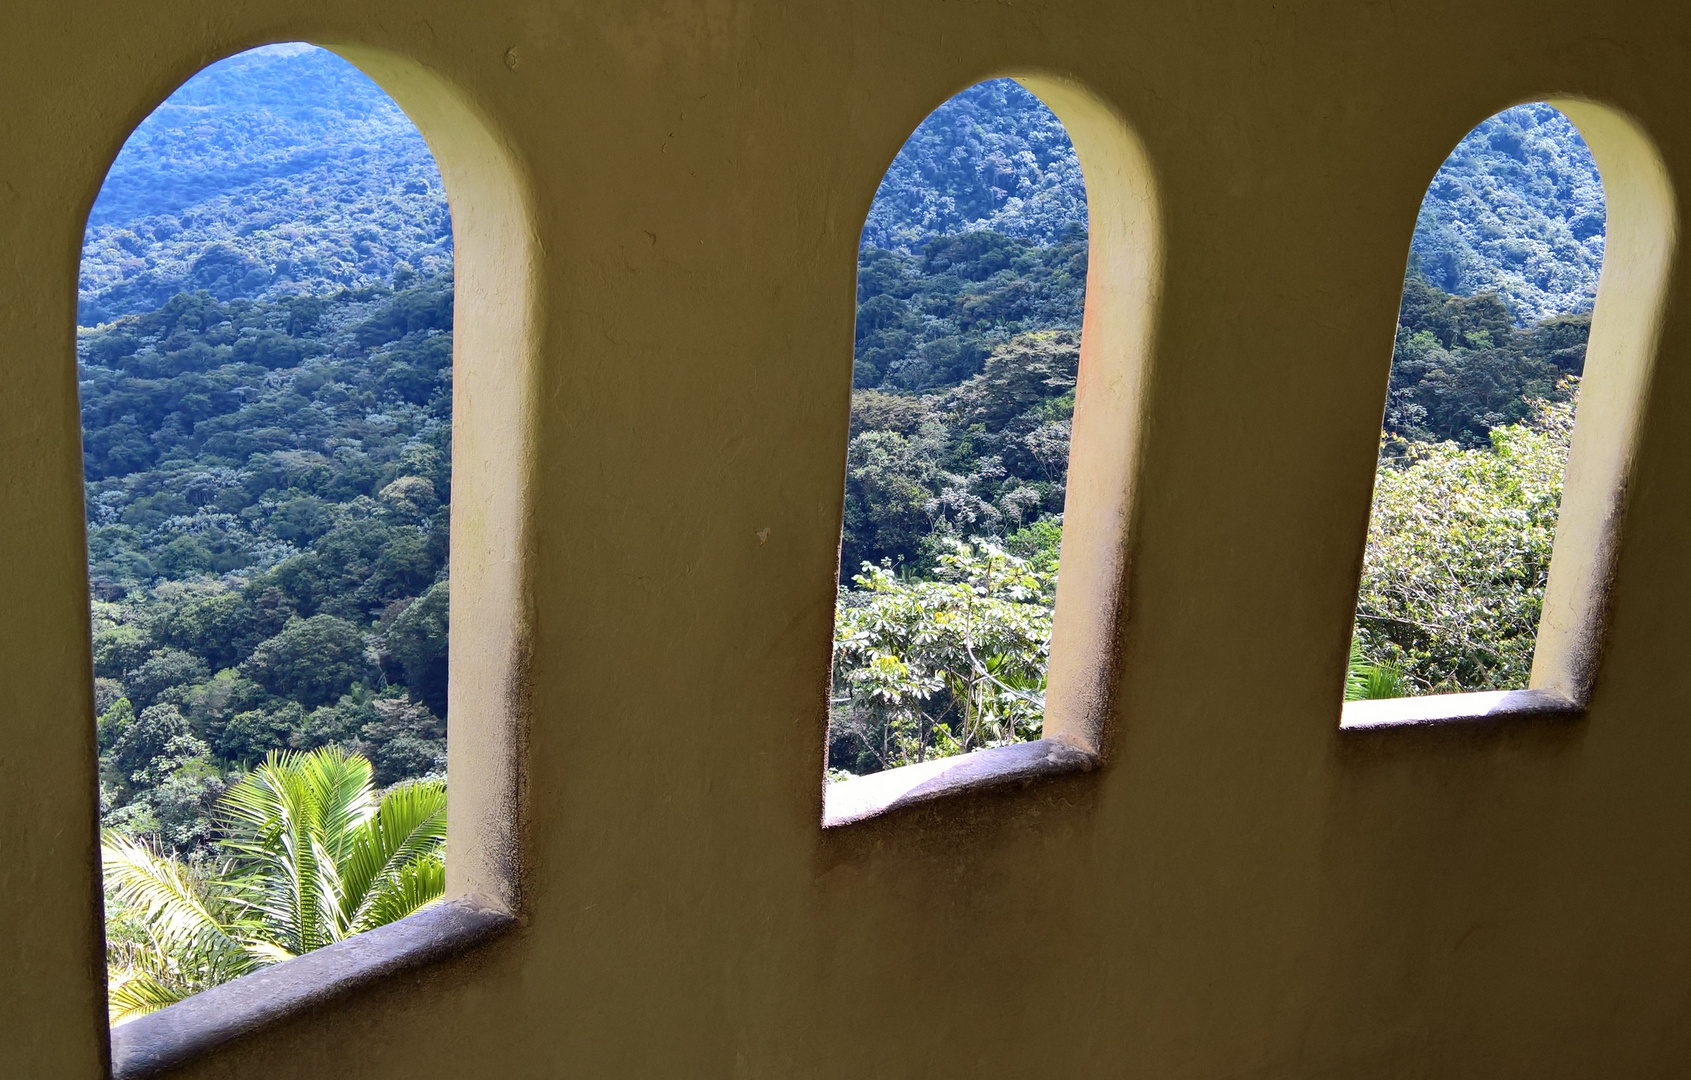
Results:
[1440, 709]
[870, 796]
[158, 1042]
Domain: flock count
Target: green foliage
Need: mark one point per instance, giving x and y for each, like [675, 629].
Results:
[273, 173]
[1460, 368]
[403, 738]
[928, 668]
[992, 157]
[1458, 554]
[162, 670]
[250, 734]
[307, 854]
[982, 458]
[268, 501]
[1366, 680]
[929, 321]
[416, 637]
[1517, 210]
[312, 661]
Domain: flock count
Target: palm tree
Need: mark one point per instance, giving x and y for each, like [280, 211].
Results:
[311, 855]
[1366, 681]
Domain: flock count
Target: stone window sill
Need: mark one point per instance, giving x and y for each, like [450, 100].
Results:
[879, 793]
[1436, 710]
[151, 1045]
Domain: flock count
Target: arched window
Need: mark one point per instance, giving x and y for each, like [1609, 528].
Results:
[265, 355]
[988, 344]
[1494, 515]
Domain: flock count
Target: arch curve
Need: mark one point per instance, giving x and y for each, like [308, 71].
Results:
[1118, 332]
[1620, 358]
[496, 271]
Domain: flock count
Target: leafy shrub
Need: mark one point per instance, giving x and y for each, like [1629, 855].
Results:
[929, 668]
[1458, 554]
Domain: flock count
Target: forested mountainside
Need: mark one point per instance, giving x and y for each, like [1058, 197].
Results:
[268, 485]
[929, 319]
[267, 413]
[1461, 367]
[1517, 209]
[283, 171]
[993, 157]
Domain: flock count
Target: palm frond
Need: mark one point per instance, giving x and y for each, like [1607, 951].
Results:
[341, 785]
[409, 827]
[286, 821]
[195, 933]
[1366, 680]
[1385, 681]
[132, 993]
[175, 911]
[415, 886]
[312, 857]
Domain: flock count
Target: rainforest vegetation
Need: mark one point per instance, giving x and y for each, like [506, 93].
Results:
[970, 290]
[953, 521]
[267, 488]
[266, 372]
[283, 171]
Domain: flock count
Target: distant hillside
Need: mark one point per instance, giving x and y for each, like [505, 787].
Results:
[282, 171]
[1518, 210]
[993, 157]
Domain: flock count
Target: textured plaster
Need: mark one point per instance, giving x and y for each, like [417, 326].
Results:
[658, 205]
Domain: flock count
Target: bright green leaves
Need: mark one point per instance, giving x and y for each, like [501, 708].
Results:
[1458, 554]
[928, 668]
[309, 855]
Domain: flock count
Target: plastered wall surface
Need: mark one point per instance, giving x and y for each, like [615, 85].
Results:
[658, 208]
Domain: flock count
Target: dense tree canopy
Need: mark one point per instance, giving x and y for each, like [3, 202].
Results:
[1459, 552]
[928, 321]
[268, 491]
[1517, 209]
[283, 171]
[992, 157]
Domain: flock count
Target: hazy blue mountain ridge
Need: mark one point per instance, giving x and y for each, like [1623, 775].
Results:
[283, 171]
[1517, 209]
[993, 157]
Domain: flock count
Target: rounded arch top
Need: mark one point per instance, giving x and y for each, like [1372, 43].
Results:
[495, 262]
[1642, 235]
[1123, 286]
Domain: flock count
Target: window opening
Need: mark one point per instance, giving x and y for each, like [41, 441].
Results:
[1485, 378]
[971, 286]
[265, 360]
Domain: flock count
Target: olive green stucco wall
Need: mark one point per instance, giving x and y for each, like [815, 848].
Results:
[658, 208]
